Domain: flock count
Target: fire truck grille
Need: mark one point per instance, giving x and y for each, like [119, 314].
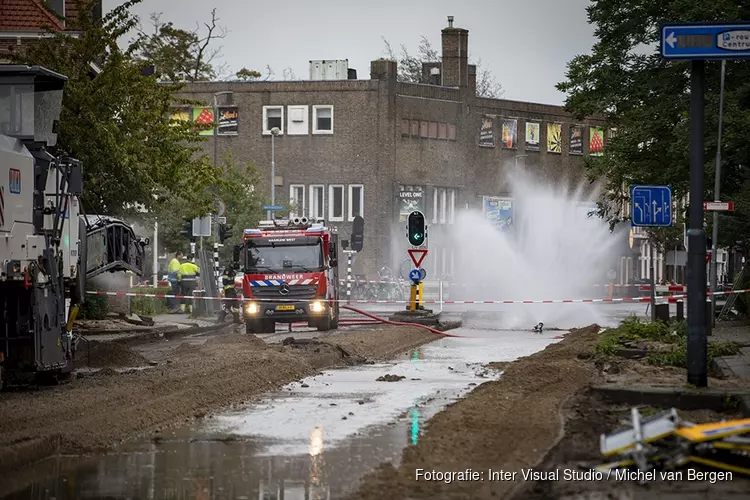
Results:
[295, 292]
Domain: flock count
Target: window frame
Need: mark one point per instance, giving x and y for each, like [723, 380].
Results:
[331, 198]
[292, 198]
[315, 129]
[451, 206]
[435, 205]
[306, 111]
[443, 203]
[350, 213]
[311, 213]
[267, 131]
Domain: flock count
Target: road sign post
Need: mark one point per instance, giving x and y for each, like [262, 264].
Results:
[651, 206]
[699, 42]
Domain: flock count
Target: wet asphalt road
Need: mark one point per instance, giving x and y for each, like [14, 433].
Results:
[312, 442]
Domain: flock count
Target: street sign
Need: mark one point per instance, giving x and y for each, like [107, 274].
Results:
[650, 206]
[202, 226]
[273, 208]
[611, 274]
[718, 206]
[221, 220]
[417, 255]
[705, 41]
[415, 275]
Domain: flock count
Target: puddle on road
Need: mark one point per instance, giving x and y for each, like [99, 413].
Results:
[312, 442]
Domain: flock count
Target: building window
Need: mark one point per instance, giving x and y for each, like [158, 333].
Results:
[336, 202]
[356, 201]
[434, 205]
[424, 129]
[317, 201]
[433, 130]
[451, 206]
[451, 132]
[414, 128]
[442, 131]
[322, 119]
[405, 128]
[273, 116]
[297, 121]
[296, 200]
[443, 205]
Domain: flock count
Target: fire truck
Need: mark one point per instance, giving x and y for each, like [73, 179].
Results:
[290, 268]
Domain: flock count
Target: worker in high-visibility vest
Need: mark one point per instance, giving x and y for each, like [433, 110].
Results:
[174, 266]
[187, 277]
[230, 292]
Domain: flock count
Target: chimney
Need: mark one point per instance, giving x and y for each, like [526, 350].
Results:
[455, 72]
[473, 77]
[383, 69]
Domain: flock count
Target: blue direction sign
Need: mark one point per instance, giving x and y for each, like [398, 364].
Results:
[273, 208]
[705, 41]
[415, 275]
[651, 206]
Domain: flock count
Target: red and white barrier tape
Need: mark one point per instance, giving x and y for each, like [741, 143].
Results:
[642, 288]
[673, 298]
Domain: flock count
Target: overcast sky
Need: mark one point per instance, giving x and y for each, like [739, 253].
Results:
[525, 43]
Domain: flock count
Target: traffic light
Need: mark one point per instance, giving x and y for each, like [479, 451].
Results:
[187, 228]
[225, 232]
[358, 234]
[416, 230]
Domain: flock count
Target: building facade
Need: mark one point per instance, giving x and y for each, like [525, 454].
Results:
[381, 148]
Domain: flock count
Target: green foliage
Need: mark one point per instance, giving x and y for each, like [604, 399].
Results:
[149, 306]
[95, 307]
[245, 74]
[117, 122]
[646, 99]
[678, 357]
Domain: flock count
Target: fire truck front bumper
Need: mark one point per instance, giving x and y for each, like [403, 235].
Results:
[286, 311]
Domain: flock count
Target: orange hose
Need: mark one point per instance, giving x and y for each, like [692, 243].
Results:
[397, 323]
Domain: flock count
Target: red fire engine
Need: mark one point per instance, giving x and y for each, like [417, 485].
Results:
[291, 268]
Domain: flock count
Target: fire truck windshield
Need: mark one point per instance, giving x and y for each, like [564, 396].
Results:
[268, 257]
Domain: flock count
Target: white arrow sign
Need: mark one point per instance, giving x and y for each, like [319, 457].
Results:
[671, 39]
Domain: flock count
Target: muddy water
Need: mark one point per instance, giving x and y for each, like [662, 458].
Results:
[312, 440]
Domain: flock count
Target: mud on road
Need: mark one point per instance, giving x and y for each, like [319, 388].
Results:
[189, 380]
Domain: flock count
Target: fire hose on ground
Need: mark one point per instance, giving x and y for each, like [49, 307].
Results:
[397, 323]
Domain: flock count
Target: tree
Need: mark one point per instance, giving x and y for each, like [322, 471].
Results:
[181, 55]
[247, 75]
[646, 99]
[410, 67]
[117, 122]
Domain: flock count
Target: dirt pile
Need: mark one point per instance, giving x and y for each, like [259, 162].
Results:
[93, 413]
[506, 424]
[96, 354]
[382, 342]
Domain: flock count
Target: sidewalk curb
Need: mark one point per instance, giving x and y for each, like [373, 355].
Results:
[680, 398]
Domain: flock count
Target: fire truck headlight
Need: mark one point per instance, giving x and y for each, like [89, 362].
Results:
[251, 308]
[317, 306]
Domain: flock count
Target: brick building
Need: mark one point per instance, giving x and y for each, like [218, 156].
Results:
[23, 21]
[382, 148]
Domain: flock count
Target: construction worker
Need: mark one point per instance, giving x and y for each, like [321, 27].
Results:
[230, 292]
[174, 266]
[187, 277]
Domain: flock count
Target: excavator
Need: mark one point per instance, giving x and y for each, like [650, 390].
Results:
[49, 247]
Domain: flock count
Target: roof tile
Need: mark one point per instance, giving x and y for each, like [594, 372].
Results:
[26, 15]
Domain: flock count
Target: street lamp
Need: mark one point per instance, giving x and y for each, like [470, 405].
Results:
[216, 147]
[274, 132]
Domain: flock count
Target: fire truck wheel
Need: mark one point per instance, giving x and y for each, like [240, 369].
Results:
[269, 326]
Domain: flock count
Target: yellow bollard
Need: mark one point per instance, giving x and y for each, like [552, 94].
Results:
[413, 298]
[419, 296]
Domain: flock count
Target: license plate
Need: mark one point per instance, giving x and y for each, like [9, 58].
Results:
[285, 308]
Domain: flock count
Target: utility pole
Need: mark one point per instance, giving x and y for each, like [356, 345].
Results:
[717, 190]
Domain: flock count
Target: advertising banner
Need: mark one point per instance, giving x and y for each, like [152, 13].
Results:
[596, 141]
[554, 138]
[498, 211]
[487, 133]
[510, 127]
[410, 198]
[533, 131]
[576, 140]
[204, 116]
[181, 115]
[228, 120]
